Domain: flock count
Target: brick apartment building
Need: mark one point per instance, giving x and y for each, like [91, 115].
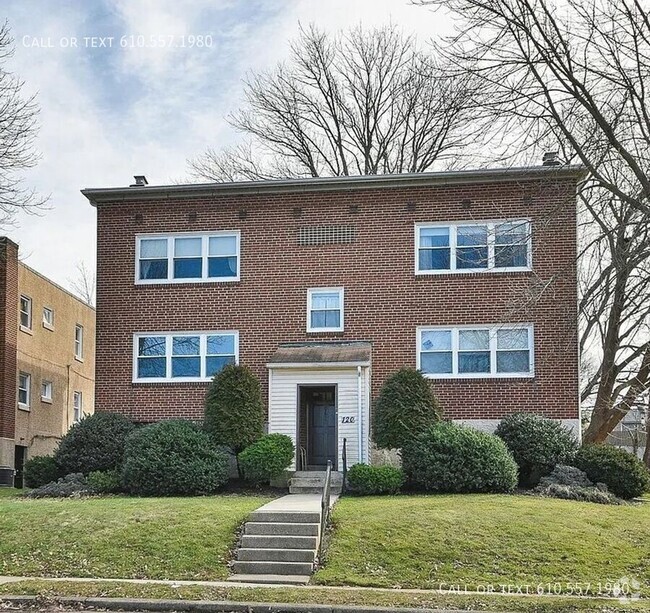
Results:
[326, 286]
[47, 362]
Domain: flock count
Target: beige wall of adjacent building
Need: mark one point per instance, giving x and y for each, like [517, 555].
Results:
[47, 354]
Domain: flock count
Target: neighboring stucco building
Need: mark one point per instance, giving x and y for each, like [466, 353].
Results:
[47, 361]
[326, 286]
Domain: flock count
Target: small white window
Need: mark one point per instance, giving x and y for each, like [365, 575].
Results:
[325, 310]
[78, 342]
[24, 389]
[77, 406]
[26, 312]
[476, 351]
[48, 318]
[46, 391]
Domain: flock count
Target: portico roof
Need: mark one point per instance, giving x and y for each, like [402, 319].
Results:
[336, 354]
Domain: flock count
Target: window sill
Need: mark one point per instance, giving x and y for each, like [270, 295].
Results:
[24, 407]
[189, 282]
[46, 400]
[78, 359]
[337, 331]
[473, 273]
[26, 330]
[48, 327]
[481, 378]
[168, 383]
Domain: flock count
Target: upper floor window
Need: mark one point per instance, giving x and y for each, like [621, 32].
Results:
[77, 406]
[24, 389]
[78, 342]
[476, 351]
[188, 258]
[473, 247]
[48, 318]
[26, 312]
[46, 391]
[325, 310]
[188, 356]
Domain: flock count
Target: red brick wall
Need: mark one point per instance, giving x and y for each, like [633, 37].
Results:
[8, 336]
[384, 300]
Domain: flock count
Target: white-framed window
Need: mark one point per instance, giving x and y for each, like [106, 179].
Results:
[183, 258]
[24, 390]
[48, 318]
[78, 342]
[505, 350]
[46, 391]
[495, 246]
[325, 309]
[182, 356]
[26, 312]
[77, 406]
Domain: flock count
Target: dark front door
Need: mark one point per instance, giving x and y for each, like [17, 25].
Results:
[19, 464]
[321, 419]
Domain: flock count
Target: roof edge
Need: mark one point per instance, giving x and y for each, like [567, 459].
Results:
[317, 184]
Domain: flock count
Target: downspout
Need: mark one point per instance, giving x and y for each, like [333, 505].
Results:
[360, 416]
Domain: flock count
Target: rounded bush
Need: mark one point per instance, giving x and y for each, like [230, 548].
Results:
[451, 458]
[266, 458]
[95, 443]
[234, 411]
[366, 480]
[104, 481]
[40, 470]
[405, 406]
[172, 458]
[623, 473]
[537, 444]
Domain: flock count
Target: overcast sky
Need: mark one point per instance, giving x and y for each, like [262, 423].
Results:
[111, 109]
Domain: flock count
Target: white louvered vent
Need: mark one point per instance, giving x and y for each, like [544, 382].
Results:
[326, 235]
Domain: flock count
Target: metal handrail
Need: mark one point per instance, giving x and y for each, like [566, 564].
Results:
[303, 458]
[325, 504]
[344, 457]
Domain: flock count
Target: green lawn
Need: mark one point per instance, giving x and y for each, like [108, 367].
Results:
[9, 492]
[480, 540]
[115, 537]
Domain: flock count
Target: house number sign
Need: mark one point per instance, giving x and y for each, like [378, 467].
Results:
[347, 420]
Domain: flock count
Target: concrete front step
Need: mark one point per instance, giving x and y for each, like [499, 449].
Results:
[293, 517]
[272, 568]
[271, 579]
[310, 489]
[249, 541]
[277, 528]
[276, 555]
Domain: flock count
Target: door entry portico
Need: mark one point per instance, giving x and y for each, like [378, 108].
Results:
[317, 427]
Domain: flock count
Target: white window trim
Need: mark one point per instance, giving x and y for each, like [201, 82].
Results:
[453, 228]
[317, 290]
[21, 405]
[30, 313]
[170, 236]
[79, 356]
[77, 394]
[492, 328]
[46, 324]
[47, 399]
[168, 354]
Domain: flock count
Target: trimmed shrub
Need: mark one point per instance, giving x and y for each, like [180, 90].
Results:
[234, 411]
[104, 481]
[537, 444]
[566, 475]
[366, 480]
[623, 473]
[405, 407]
[172, 458]
[95, 443]
[266, 458]
[448, 457]
[40, 470]
[70, 486]
[576, 492]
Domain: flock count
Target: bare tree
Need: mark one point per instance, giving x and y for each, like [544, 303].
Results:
[574, 76]
[17, 133]
[85, 284]
[362, 102]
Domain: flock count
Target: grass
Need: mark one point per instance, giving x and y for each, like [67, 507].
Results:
[49, 590]
[119, 537]
[481, 540]
[9, 492]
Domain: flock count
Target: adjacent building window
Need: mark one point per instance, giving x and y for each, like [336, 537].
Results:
[46, 391]
[325, 310]
[476, 351]
[77, 406]
[78, 342]
[473, 247]
[48, 318]
[183, 356]
[26, 312]
[185, 258]
[24, 389]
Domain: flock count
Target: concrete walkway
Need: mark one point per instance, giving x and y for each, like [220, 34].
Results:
[295, 503]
